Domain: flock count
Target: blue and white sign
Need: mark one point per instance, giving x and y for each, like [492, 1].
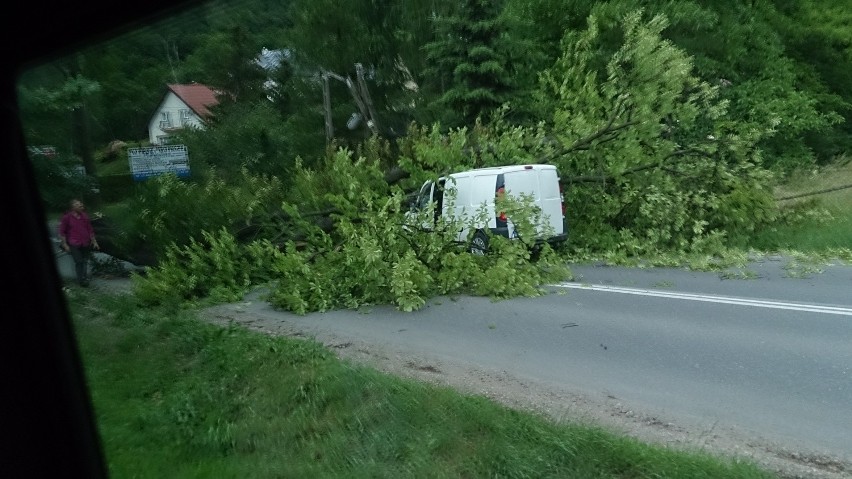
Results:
[158, 160]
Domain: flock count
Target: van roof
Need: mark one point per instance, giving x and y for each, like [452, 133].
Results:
[507, 168]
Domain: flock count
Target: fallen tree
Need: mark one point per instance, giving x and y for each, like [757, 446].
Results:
[649, 160]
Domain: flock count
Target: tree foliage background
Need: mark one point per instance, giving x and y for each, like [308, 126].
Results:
[669, 124]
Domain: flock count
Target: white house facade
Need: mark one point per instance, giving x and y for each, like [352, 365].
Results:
[183, 106]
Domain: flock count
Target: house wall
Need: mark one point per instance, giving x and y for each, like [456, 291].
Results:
[179, 116]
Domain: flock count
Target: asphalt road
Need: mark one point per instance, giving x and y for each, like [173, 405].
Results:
[771, 355]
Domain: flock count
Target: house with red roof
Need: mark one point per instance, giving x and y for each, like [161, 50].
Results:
[182, 106]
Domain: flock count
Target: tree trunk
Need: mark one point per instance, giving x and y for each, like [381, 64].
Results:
[83, 144]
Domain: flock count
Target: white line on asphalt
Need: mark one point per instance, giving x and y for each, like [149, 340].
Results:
[812, 308]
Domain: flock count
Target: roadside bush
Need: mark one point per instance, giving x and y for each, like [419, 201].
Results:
[214, 268]
[168, 210]
[116, 188]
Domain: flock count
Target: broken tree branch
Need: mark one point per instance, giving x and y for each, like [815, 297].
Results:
[637, 169]
[812, 193]
[372, 120]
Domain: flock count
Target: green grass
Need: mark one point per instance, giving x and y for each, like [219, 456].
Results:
[815, 223]
[808, 235]
[116, 167]
[175, 397]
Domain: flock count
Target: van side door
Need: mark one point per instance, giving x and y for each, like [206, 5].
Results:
[521, 183]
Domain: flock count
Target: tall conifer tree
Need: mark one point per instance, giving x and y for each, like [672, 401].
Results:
[468, 62]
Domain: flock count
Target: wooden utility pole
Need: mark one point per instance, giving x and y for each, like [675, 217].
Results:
[326, 100]
[359, 93]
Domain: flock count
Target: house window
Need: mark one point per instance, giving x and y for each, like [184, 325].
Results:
[184, 117]
[163, 140]
[165, 120]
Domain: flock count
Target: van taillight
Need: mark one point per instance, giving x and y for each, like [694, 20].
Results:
[501, 192]
[562, 198]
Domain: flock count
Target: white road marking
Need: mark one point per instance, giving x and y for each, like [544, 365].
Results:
[811, 308]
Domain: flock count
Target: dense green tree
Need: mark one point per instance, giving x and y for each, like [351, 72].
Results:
[227, 60]
[249, 135]
[818, 39]
[781, 62]
[469, 63]
[45, 122]
[652, 159]
[766, 80]
[383, 36]
[743, 47]
[69, 96]
[762, 82]
[133, 69]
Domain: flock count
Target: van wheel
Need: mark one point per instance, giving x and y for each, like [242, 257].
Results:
[479, 243]
[535, 253]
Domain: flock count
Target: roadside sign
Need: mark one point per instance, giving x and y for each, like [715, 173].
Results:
[43, 150]
[158, 160]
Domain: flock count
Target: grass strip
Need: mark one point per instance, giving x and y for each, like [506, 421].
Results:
[813, 223]
[176, 397]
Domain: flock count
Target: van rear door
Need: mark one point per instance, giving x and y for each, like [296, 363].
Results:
[519, 183]
[551, 200]
[541, 183]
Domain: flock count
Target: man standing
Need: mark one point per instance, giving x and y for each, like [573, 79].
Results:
[78, 238]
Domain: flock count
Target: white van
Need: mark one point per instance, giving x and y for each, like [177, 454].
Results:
[473, 190]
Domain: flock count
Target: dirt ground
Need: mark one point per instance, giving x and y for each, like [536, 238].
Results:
[556, 403]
